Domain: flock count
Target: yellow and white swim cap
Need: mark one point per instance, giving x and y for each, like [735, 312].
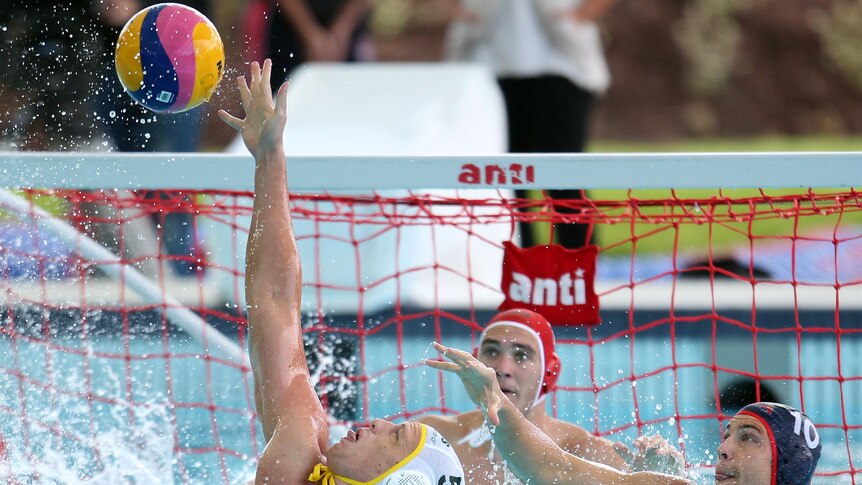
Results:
[433, 462]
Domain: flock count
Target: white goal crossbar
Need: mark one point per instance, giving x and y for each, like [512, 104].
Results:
[487, 173]
[584, 171]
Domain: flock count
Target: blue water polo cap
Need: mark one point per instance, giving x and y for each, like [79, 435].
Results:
[794, 439]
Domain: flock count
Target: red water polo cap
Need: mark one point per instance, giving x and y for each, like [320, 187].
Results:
[539, 326]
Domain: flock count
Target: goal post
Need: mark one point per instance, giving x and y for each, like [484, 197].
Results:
[721, 277]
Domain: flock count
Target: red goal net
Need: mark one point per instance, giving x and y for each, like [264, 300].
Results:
[709, 300]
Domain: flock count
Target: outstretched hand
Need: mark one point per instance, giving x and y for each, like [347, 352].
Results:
[263, 126]
[479, 380]
[653, 453]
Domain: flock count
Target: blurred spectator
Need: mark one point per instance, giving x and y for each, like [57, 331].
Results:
[548, 59]
[315, 31]
[45, 48]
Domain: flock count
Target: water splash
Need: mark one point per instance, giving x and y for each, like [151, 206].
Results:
[477, 437]
[332, 361]
[126, 444]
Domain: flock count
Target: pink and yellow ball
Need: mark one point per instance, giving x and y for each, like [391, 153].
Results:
[169, 58]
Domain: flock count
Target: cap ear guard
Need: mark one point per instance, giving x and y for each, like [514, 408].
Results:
[552, 373]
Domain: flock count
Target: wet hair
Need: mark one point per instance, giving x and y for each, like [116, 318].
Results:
[741, 392]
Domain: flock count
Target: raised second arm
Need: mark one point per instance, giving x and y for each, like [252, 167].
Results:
[530, 454]
[535, 458]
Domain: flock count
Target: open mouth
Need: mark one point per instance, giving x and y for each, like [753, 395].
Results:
[724, 477]
[352, 436]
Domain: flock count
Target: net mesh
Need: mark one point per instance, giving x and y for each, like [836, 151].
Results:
[708, 300]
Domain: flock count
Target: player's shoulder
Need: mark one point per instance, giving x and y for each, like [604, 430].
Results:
[436, 421]
[453, 427]
[287, 459]
[566, 435]
[567, 428]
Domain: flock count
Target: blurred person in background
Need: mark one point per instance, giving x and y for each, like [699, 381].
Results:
[299, 31]
[56, 94]
[548, 59]
[45, 85]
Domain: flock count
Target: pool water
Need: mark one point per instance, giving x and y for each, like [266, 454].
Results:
[71, 413]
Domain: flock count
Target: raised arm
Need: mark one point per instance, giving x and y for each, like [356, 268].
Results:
[530, 454]
[284, 396]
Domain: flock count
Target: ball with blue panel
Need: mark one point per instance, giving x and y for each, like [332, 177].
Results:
[169, 58]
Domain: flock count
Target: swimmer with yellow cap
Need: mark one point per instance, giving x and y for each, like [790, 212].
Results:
[294, 423]
[431, 461]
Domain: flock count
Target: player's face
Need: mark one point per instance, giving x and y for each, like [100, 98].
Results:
[745, 454]
[514, 353]
[366, 453]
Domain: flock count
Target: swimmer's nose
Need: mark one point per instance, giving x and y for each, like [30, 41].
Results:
[503, 367]
[723, 450]
[379, 425]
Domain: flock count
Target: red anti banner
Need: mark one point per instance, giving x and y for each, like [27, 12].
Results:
[557, 282]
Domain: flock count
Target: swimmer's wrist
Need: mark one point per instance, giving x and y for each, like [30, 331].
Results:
[274, 153]
[276, 148]
[506, 410]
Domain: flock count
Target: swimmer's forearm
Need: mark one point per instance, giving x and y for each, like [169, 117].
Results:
[530, 454]
[273, 284]
[534, 458]
[273, 270]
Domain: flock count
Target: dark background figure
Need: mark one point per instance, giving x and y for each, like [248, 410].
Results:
[45, 86]
[550, 66]
[742, 391]
[316, 31]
